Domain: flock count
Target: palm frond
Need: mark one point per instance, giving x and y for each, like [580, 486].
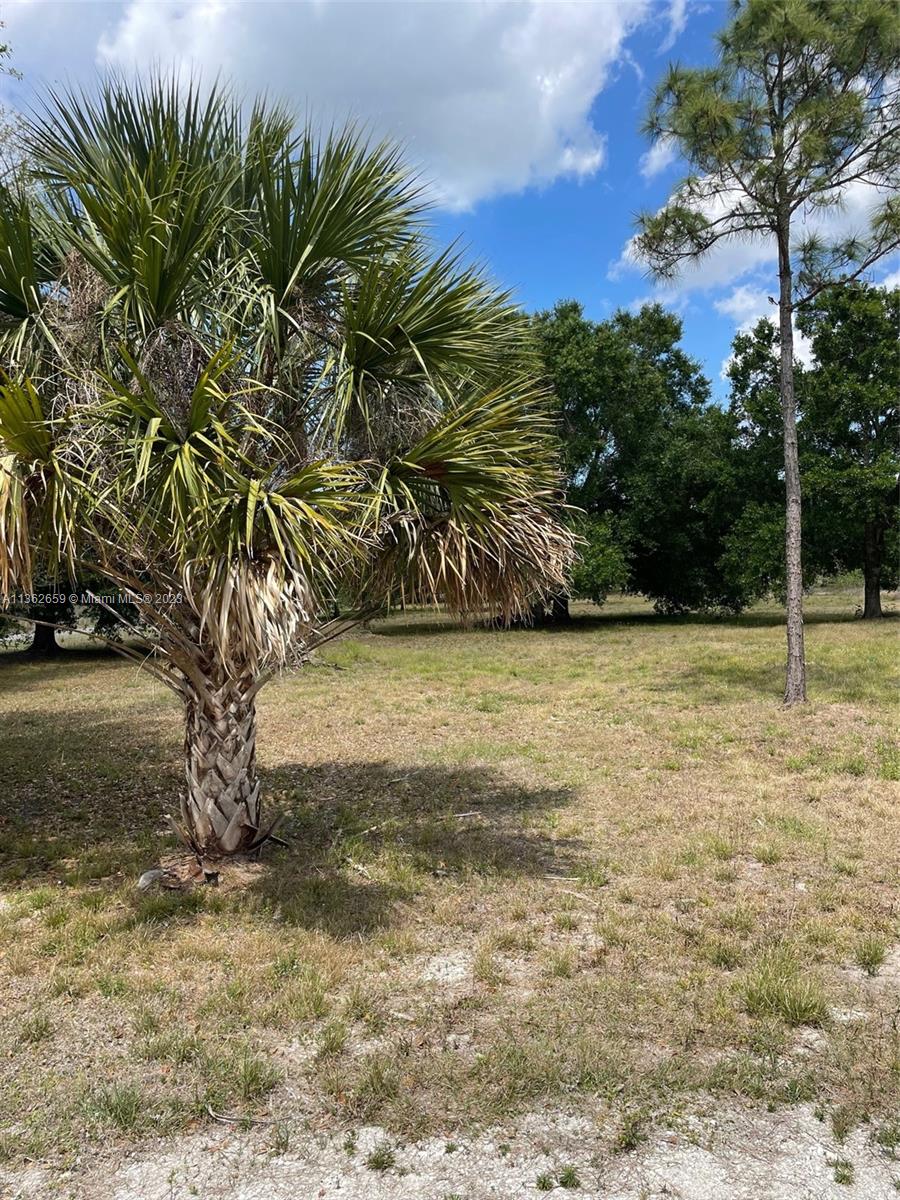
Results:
[320, 206]
[40, 490]
[411, 324]
[141, 176]
[468, 516]
[27, 263]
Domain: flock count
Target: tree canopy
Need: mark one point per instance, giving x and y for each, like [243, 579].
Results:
[649, 458]
[848, 442]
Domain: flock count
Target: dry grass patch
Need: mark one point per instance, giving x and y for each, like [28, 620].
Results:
[524, 867]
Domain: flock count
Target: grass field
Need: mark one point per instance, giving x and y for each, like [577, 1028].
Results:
[599, 867]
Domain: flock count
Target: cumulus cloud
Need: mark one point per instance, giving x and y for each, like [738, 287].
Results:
[739, 275]
[732, 259]
[658, 158]
[745, 305]
[488, 98]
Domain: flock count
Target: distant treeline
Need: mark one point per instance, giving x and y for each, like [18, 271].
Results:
[682, 499]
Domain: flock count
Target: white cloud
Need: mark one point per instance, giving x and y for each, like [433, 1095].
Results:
[745, 305]
[658, 158]
[677, 23]
[488, 97]
[739, 275]
[731, 260]
[890, 281]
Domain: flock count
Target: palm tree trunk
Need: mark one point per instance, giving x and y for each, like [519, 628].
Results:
[873, 551]
[795, 684]
[221, 808]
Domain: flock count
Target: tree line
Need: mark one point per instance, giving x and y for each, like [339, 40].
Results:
[682, 499]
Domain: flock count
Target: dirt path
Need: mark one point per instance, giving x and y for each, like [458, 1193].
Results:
[741, 1154]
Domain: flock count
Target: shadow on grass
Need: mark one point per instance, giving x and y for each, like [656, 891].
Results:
[586, 622]
[21, 672]
[386, 826]
[86, 800]
[712, 682]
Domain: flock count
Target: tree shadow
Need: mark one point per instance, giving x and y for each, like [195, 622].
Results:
[714, 682]
[384, 826]
[86, 802]
[20, 671]
[581, 622]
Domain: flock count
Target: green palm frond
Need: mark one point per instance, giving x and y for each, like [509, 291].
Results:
[412, 322]
[324, 206]
[27, 263]
[141, 177]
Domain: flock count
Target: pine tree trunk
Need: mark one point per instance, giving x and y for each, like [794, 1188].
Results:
[221, 808]
[873, 554]
[795, 685]
[43, 642]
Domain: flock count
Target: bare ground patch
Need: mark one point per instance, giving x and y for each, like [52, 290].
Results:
[742, 1153]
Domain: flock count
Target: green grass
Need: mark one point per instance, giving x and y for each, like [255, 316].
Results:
[381, 1158]
[503, 803]
[870, 953]
[779, 985]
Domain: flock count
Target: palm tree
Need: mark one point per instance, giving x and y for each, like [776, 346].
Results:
[238, 384]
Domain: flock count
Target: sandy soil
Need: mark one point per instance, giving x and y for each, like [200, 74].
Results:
[739, 1154]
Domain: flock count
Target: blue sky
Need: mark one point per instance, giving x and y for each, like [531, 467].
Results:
[524, 115]
[562, 240]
